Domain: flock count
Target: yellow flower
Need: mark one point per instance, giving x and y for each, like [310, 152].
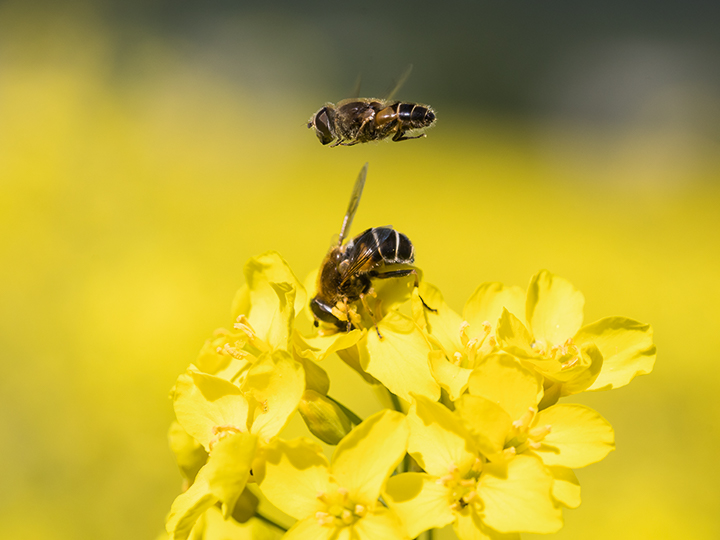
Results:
[339, 500]
[501, 413]
[482, 499]
[603, 355]
[463, 341]
[231, 422]
[264, 311]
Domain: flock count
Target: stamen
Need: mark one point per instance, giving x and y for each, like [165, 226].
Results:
[570, 363]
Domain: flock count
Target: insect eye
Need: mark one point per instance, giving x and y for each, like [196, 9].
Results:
[322, 126]
[323, 312]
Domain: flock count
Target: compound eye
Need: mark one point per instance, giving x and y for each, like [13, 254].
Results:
[322, 126]
[323, 312]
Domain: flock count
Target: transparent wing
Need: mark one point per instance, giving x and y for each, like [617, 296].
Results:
[356, 89]
[354, 203]
[399, 83]
[365, 246]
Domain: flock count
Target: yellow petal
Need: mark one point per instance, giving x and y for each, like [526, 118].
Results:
[486, 304]
[218, 528]
[296, 472]
[513, 335]
[584, 373]
[272, 305]
[554, 308]
[206, 405]
[501, 379]
[382, 523]
[469, 526]
[438, 440]
[566, 488]
[420, 500]
[318, 348]
[444, 323]
[451, 377]
[316, 378]
[626, 346]
[311, 529]
[487, 422]
[189, 454]
[216, 355]
[188, 506]
[351, 356]
[228, 468]
[400, 359]
[276, 384]
[578, 435]
[517, 497]
[367, 456]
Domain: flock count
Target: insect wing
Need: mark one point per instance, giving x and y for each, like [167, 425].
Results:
[364, 254]
[399, 84]
[354, 203]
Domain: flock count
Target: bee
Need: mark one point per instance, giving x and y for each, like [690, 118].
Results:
[347, 271]
[360, 120]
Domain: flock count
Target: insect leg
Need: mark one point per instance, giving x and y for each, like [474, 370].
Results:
[400, 136]
[370, 312]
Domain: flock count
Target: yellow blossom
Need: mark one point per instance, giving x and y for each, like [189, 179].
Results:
[231, 422]
[463, 341]
[606, 354]
[461, 486]
[339, 500]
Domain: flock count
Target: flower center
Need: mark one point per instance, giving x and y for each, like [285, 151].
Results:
[221, 432]
[462, 489]
[339, 511]
[568, 354]
[253, 340]
[475, 347]
[526, 437]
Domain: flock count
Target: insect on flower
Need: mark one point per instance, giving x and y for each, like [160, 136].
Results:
[347, 271]
[360, 120]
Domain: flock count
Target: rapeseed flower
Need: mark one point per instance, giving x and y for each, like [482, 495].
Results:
[461, 486]
[496, 456]
[339, 499]
[606, 354]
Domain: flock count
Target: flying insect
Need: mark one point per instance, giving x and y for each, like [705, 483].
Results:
[360, 120]
[347, 271]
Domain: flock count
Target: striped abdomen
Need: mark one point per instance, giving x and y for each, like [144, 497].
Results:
[382, 246]
[409, 115]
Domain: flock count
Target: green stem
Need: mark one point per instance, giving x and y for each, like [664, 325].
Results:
[269, 521]
[354, 418]
[430, 534]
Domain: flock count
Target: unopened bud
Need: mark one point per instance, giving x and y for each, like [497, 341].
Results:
[323, 417]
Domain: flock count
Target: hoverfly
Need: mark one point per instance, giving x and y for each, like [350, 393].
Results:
[360, 120]
[347, 271]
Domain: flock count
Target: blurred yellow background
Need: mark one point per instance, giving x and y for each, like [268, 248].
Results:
[137, 176]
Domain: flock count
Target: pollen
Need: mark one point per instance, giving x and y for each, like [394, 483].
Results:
[232, 350]
[221, 432]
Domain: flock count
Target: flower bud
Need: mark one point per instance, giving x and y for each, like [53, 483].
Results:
[323, 417]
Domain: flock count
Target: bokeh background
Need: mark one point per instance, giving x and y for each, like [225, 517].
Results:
[149, 148]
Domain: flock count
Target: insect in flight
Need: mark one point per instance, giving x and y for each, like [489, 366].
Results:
[360, 120]
[347, 271]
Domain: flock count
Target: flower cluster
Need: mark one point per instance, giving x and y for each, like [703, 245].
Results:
[478, 438]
